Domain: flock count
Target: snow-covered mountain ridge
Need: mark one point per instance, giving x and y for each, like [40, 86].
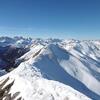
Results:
[27, 83]
[72, 62]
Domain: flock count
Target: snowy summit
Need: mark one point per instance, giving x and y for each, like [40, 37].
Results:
[49, 69]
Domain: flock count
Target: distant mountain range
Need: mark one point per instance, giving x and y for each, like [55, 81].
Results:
[49, 69]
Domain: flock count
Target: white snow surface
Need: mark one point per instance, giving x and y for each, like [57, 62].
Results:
[52, 56]
[73, 62]
[32, 86]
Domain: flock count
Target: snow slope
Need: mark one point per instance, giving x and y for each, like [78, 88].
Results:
[74, 66]
[72, 62]
[28, 84]
[56, 63]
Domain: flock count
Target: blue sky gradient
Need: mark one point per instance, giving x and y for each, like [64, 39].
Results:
[79, 19]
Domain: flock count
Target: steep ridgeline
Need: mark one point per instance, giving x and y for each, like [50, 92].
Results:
[72, 62]
[66, 64]
[27, 83]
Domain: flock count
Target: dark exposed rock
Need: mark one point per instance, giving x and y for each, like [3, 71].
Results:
[3, 82]
[8, 55]
[15, 95]
[4, 91]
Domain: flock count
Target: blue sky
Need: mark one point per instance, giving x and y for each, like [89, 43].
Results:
[79, 19]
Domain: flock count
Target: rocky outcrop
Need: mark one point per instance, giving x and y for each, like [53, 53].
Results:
[4, 91]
